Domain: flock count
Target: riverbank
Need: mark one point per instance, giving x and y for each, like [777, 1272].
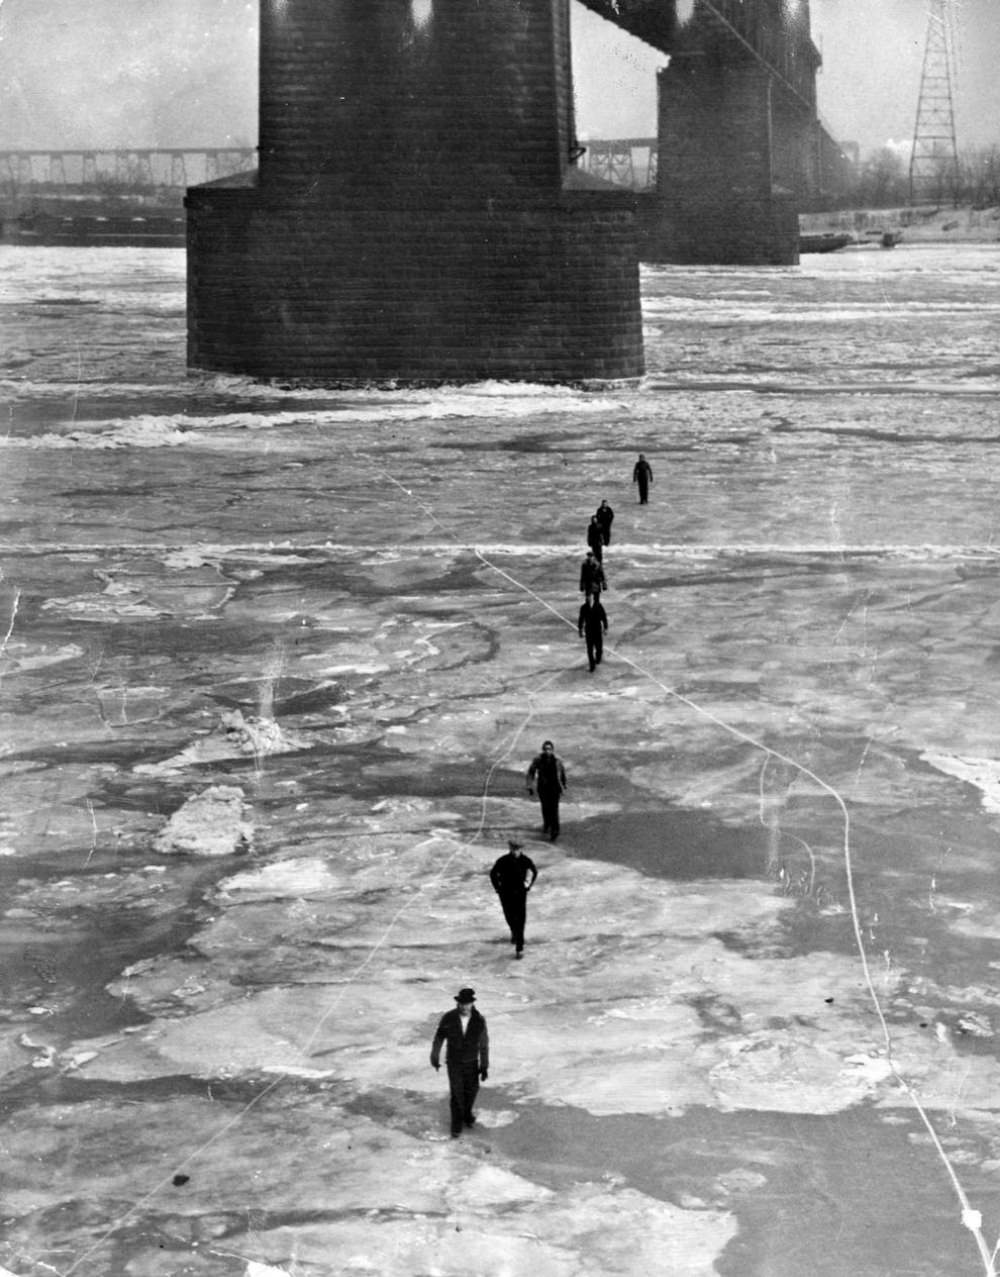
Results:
[937, 225]
[154, 220]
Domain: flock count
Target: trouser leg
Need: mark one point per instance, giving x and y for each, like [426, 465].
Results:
[464, 1084]
[598, 648]
[590, 652]
[550, 812]
[508, 913]
[470, 1089]
[514, 909]
[457, 1100]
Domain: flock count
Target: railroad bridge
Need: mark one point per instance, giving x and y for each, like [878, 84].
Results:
[119, 171]
[418, 214]
[739, 142]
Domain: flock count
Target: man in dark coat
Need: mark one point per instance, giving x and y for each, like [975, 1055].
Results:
[591, 575]
[511, 882]
[595, 537]
[547, 772]
[592, 625]
[642, 474]
[605, 516]
[467, 1057]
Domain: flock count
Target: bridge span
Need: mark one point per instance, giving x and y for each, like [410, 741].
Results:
[739, 144]
[134, 169]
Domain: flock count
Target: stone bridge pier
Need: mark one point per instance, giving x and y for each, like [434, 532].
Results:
[410, 219]
[718, 196]
[739, 138]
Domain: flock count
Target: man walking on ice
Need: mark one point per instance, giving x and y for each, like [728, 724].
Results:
[547, 772]
[592, 625]
[642, 474]
[467, 1057]
[511, 882]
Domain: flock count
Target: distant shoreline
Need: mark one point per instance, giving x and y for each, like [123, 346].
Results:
[918, 225]
[80, 232]
[152, 221]
[155, 224]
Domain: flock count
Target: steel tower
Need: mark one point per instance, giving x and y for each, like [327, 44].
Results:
[934, 158]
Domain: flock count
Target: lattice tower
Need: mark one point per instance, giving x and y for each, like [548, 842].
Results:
[934, 158]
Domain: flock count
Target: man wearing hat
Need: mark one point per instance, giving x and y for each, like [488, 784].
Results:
[468, 1056]
[548, 774]
[511, 881]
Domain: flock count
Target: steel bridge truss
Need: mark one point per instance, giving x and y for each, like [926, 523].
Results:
[628, 161]
[136, 169]
[773, 33]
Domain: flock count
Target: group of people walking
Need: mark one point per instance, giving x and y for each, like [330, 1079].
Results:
[463, 1030]
[592, 622]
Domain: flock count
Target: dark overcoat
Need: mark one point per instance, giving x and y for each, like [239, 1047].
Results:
[470, 1049]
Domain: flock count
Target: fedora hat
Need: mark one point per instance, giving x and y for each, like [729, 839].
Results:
[465, 995]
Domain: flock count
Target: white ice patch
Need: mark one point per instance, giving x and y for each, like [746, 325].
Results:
[587, 1230]
[715, 313]
[117, 600]
[24, 659]
[170, 431]
[285, 879]
[237, 737]
[982, 773]
[210, 824]
[140, 432]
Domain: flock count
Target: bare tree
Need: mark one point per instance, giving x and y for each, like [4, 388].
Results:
[882, 182]
[979, 176]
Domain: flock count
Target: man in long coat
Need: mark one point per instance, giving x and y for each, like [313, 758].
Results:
[467, 1056]
[592, 625]
[605, 516]
[595, 537]
[548, 774]
[512, 877]
[642, 474]
[592, 575]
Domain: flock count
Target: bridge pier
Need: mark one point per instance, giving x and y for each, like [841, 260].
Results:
[409, 221]
[720, 198]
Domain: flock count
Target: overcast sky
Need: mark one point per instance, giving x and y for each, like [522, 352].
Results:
[160, 73]
[868, 87]
[128, 73]
[872, 55]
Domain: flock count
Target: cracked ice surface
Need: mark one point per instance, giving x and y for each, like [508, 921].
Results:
[323, 633]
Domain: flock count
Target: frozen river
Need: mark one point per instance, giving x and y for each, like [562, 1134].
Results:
[272, 665]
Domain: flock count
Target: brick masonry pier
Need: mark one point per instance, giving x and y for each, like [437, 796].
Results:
[740, 146]
[719, 198]
[409, 220]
